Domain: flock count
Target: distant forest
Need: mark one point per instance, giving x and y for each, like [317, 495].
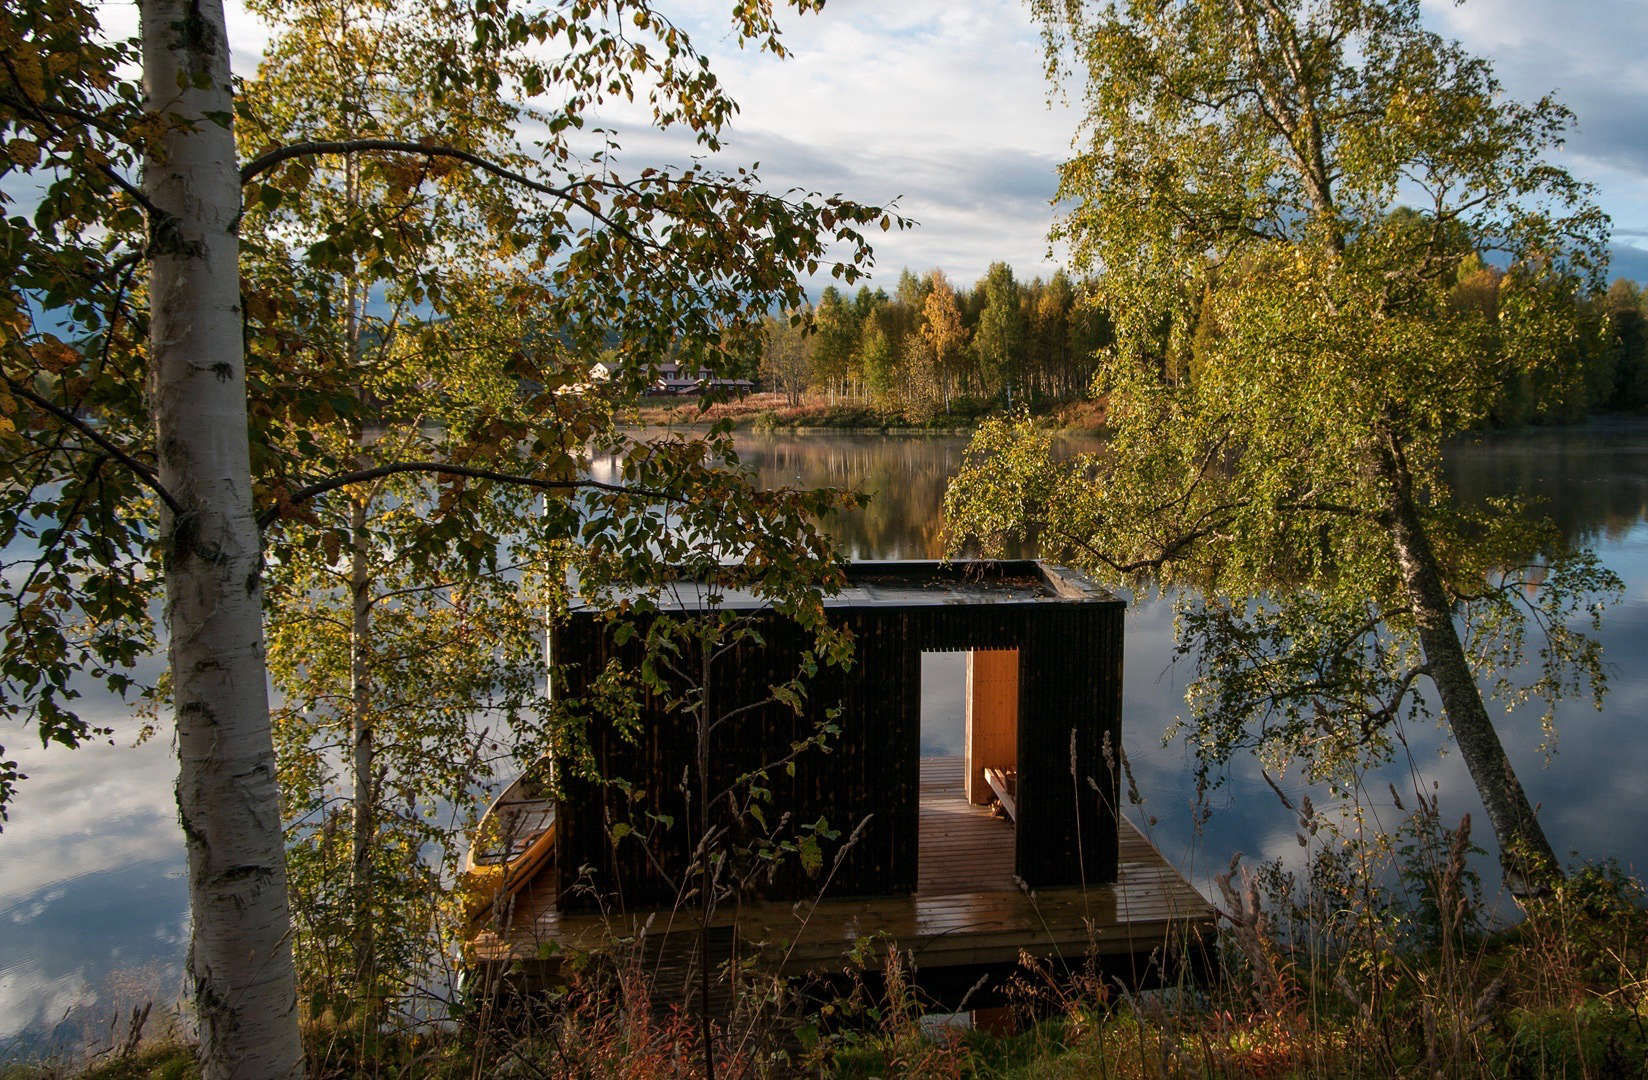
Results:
[931, 348]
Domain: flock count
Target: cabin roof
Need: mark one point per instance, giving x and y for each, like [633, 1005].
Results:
[913, 583]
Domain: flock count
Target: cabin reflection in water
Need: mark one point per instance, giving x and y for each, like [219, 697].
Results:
[1014, 847]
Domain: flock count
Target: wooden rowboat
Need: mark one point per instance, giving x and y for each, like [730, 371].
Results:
[513, 841]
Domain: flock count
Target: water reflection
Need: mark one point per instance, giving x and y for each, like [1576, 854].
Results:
[92, 901]
[1591, 478]
[904, 477]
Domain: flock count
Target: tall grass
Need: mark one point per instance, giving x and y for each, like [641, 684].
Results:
[1375, 955]
[1319, 972]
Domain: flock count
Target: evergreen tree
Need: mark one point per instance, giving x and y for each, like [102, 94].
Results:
[835, 337]
[999, 339]
[1627, 309]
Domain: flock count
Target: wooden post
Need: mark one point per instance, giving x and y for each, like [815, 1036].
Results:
[992, 717]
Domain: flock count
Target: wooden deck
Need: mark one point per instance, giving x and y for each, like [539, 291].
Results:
[964, 848]
[968, 912]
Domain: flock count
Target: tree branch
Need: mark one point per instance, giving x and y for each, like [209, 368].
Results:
[66, 524]
[440, 468]
[42, 113]
[142, 471]
[264, 162]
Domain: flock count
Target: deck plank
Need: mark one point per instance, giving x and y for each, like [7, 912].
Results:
[962, 847]
[967, 908]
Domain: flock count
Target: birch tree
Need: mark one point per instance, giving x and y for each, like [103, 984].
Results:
[942, 330]
[786, 358]
[240, 957]
[128, 381]
[1290, 190]
[403, 300]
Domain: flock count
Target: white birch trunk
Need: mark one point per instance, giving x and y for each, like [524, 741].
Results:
[240, 955]
[1526, 857]
[365, 765]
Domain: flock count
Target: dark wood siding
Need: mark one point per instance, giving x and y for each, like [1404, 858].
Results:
[1070, 695]
[1069, 727]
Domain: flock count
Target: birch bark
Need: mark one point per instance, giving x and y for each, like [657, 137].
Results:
[365, 765]
[1529, 863]
[240, 955]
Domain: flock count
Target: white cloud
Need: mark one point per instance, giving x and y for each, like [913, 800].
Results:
[28, 997]
[81, 811]
[1590, 56]
[940, 105]
[945, 107]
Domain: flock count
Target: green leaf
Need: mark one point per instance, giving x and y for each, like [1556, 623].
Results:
[812, 859]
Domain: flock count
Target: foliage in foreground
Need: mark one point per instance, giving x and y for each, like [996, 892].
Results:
[331, 367]
[1326, 974]
[1370, 960]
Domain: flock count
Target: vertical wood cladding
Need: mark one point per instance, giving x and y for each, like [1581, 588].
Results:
[1069, 639]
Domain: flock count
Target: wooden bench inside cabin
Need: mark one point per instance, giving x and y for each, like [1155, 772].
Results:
[1005, 783]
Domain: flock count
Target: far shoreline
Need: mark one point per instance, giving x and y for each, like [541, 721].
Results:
[772, 413]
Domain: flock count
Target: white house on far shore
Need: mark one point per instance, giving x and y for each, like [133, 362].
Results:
[671, 380]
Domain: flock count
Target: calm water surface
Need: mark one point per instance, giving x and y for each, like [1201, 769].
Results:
[92, 897]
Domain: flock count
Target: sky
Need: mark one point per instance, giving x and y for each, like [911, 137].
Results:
[944, 107]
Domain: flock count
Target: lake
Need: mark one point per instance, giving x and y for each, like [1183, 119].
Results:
[93, 905]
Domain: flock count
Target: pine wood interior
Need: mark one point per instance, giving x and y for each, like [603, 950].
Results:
[992, 718]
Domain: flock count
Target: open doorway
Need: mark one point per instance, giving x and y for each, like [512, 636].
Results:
[969, 771]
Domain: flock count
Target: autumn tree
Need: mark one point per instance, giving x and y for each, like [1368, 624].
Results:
[904, 313]
[134, 342]
[922, 383]
[786, 354]
[1240, 176]
[1041, 337]
[1050, 332]
[942, 331]
[395, 316]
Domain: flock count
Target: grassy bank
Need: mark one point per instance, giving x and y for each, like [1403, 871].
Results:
[1312, 981]
[769, 412]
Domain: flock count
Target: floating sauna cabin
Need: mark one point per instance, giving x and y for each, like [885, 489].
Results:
[1014, 846]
